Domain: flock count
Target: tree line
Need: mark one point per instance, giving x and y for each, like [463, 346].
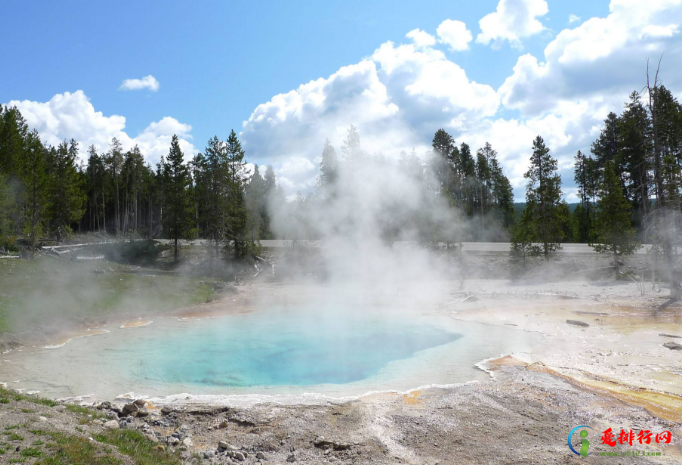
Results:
[47, 194]
[629, 186]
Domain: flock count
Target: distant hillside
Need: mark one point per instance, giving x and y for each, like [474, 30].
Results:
[520, 206]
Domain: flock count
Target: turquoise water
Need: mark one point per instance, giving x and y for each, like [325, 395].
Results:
[280, 352]
[285, 349]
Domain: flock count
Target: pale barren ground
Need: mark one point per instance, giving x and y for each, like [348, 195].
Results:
[613, 373]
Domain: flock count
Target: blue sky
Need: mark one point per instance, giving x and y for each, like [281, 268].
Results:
[216, 62]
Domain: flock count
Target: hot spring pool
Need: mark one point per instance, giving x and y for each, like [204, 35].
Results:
[278, 352]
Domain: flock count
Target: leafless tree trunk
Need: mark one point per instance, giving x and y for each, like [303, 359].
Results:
[664, 218]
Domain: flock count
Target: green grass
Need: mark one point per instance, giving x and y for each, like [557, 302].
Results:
[31, 452]
[138, 447]
[6, 395]
[85, 414]
[14, 436]
[44, 292]
[74, 450]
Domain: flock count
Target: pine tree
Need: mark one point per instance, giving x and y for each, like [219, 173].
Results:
[613, 231]
[5, 206]
[352, 148]
[254, 194]
[33, 172]
[114, 161]
[329, 170]
[634, 148]
[13, 136]
[503, 194]
[236, 222]
[442, 162]
[65, 196]
[543, 199]
[178, 207]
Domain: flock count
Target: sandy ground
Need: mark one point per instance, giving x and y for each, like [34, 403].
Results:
[614, 373]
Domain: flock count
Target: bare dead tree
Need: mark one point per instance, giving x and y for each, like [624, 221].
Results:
[663, 219]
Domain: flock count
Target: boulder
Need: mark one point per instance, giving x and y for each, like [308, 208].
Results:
[166, 411]
[140, 402]
[129, 409]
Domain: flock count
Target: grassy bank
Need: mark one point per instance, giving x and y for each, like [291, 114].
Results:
[33, 431]
[50, 294]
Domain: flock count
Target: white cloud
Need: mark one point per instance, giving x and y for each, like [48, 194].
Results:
[147, 82]
[71, 116]
[421, 38]
[512, 21]
[455, 34]
[573, 18]
[603, 58]
[395, 97]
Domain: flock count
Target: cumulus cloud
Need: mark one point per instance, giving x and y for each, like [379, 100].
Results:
[601, 58]
[402, 93]
[455, 34]
[147, 82]
[512, 21]
[395, 97]
[71, 115]
[421, 38]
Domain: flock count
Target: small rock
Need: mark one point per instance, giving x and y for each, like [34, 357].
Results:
[673, 346]
[670, 335]
[152, 437]
[209, 454]
[111, 424]
[187, 442]
[106, 405]
[143, 412]
[172, 440]
[223, 424]
[186, 455]
[260, 456]
[239, 456]
[42, 418]
[577, 323]
[140, 402]
[166, 410]
[291, 458]
[223, 445]
[60, 408]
